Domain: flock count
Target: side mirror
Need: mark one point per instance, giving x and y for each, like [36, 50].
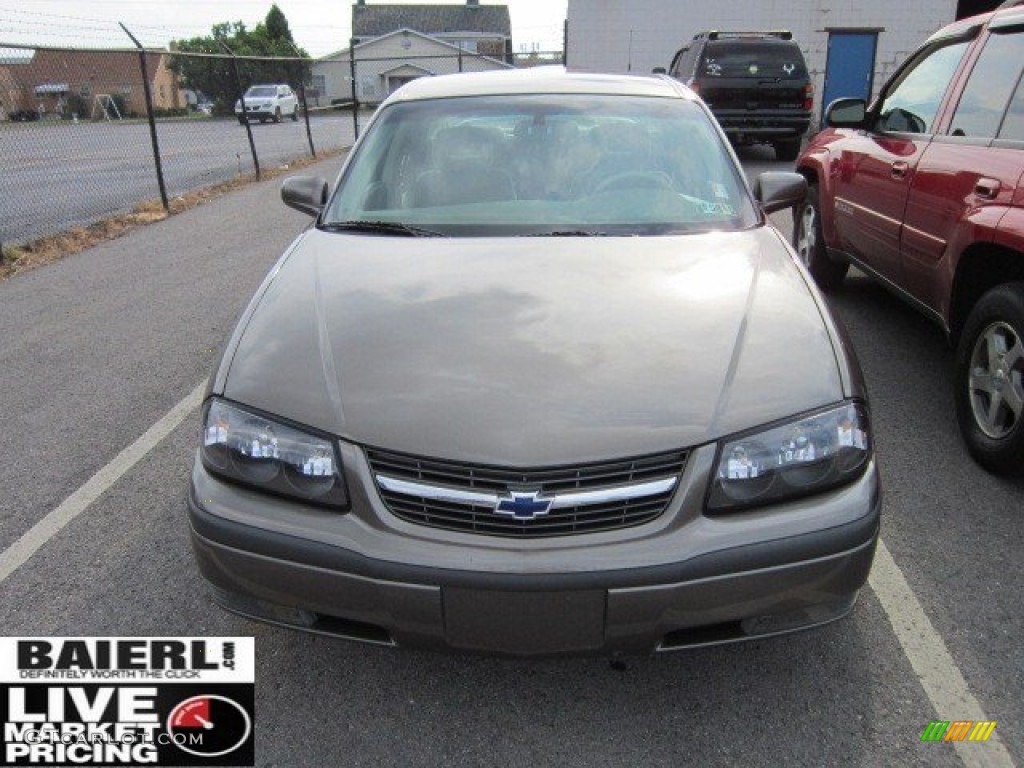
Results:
[305, 193]
[846, 113]
[659, 71]
[778, 190]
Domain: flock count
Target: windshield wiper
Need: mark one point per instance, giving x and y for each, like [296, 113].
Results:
[568, 233]
[384, 227]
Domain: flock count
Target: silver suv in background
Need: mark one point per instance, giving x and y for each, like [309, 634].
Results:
[268, 102]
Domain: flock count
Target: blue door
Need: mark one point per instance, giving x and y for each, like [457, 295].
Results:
[849, 70]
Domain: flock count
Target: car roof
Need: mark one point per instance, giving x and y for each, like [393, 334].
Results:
[758, 41]
[1012, 15]
[537, 80]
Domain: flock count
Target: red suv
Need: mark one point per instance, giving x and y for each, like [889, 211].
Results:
[924, 191]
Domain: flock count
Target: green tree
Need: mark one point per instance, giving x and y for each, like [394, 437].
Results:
[277, 25]
[266, 54]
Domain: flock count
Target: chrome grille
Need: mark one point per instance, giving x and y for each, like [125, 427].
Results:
[461, 497]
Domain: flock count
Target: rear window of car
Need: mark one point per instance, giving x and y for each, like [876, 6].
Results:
[543, 164]
[752, 58]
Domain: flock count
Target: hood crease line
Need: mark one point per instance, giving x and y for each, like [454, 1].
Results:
[327, 363]
[737, 350]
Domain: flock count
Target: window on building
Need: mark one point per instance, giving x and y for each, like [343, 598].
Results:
[318, 86]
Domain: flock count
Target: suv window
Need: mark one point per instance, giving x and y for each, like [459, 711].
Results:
[682, 67]
[752, 58]
[911, 104]
[1013, 124]
[990, 86]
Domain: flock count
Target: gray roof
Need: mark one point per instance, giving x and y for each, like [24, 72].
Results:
[373, 20]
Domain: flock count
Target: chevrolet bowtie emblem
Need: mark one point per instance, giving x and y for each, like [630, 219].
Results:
[523, 505]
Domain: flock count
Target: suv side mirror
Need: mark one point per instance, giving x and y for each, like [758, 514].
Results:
[778, 190]
[659, 71]
[305, 193]
[846, 113]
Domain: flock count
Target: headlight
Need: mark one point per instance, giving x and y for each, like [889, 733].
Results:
[805, 456]
[263, 453]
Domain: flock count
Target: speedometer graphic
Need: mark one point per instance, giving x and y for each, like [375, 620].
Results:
[209, 726]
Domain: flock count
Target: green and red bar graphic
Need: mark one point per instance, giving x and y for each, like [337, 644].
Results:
[958, 730]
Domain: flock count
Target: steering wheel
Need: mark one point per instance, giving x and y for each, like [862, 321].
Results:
[635, 180]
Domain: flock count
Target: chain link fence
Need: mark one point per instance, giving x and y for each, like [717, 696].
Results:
[90, 133]
[86, 134]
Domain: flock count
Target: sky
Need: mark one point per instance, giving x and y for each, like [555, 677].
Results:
[319, 26]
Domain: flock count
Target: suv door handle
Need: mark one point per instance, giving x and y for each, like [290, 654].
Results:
[899, 169]
[987, 188]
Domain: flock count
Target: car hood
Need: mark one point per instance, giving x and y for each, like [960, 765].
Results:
[534, 351]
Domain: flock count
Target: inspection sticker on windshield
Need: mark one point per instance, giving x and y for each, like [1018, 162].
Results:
[127, 701]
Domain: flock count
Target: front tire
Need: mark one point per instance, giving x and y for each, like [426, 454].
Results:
[809, 242]
[295, 115]
[277, 115]
[989, 380]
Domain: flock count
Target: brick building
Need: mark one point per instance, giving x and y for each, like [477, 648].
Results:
[56, 82]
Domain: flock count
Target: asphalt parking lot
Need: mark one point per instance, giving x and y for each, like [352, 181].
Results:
[62, 174]
[101, 347]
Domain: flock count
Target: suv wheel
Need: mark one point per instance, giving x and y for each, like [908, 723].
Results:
[787, 151]
[809, 243]
[989, 380]
[295, 114]
[277, 115]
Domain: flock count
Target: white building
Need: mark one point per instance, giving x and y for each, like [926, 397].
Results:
[385, 63]
[393, 44]
[850, 48]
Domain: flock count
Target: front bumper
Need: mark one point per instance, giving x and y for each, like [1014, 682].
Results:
[681, 581]
[257, 113]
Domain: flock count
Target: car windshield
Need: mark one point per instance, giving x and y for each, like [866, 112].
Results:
[261, 92]
[735, 58]
[542, 165]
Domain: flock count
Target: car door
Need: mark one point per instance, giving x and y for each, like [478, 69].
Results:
[967, 176]
[875, 169]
